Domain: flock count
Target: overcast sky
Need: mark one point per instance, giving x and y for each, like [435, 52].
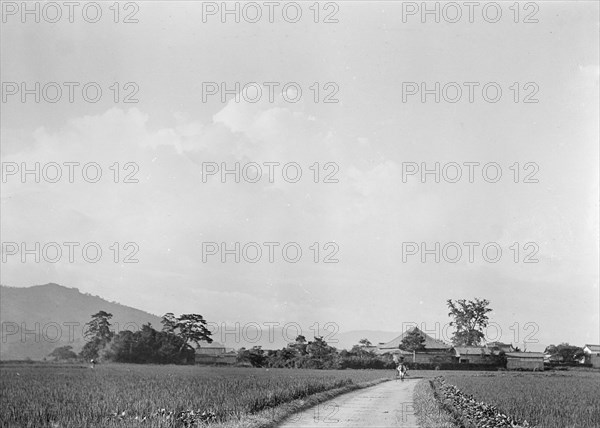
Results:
[371, 136]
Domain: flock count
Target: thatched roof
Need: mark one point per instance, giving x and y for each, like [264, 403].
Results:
[525, 355]
[430, 343]
[472, 350]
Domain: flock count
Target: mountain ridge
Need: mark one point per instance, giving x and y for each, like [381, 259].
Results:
[37, 319]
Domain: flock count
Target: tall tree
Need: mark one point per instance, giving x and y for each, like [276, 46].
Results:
[99, 327]
[98, 334]
[413, 340]
[470, 318]
[189, 327]
[169, 322]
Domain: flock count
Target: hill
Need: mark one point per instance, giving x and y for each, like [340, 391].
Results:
[36, 320]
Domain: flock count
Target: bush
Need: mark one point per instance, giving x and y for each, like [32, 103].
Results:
[452, 366]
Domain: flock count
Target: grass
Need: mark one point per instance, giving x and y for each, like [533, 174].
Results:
[545, 399]
[427, 409]
[114, 395]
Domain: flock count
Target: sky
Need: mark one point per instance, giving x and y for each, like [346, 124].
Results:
[369, 210]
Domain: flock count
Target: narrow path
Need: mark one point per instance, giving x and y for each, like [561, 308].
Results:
[389, 404]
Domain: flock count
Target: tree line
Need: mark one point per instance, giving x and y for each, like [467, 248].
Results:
[173, 344]
[315, 354]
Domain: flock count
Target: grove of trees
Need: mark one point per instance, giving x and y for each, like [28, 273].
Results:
[172, 345]
[565, 353]
[315, 354]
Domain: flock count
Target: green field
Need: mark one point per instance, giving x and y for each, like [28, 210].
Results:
[122, 395]
[77, 396]
[546, 399]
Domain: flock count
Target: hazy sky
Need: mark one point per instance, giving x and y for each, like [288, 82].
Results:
[371, 136]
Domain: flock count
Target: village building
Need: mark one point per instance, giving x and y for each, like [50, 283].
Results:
[435, 351]
[215, 353]
[497, 347]
[592, 355]
[525, 361]
[473, 355]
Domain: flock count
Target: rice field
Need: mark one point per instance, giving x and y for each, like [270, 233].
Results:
[128, 395]
[125, 395]
[564, 399]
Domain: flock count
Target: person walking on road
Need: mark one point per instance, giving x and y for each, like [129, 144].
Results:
[402, 370]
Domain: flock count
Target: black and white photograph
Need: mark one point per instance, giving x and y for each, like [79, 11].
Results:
[294, 214]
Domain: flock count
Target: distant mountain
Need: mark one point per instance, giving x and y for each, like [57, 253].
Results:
[238, 336]
[351, 338]
[36, 320]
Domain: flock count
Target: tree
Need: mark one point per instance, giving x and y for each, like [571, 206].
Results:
[565, 352]
[299, 346]
[320, 355]
[99, 327]
[98, 333]
[412, 341]
[189, 327]
[364, 342]
[361, 350]
[63, 353]
[285, 357]
[470, 318]
[169, 322]
[148, 346]
[255, 356]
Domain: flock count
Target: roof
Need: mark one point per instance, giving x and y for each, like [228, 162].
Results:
[214, 351]
[499, 344]
[593, 348]
[525, 355]
[393, 352]
[472, 350]
[213, 344]
[430, 342]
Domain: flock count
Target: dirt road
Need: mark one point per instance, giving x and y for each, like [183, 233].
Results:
[388, 404]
